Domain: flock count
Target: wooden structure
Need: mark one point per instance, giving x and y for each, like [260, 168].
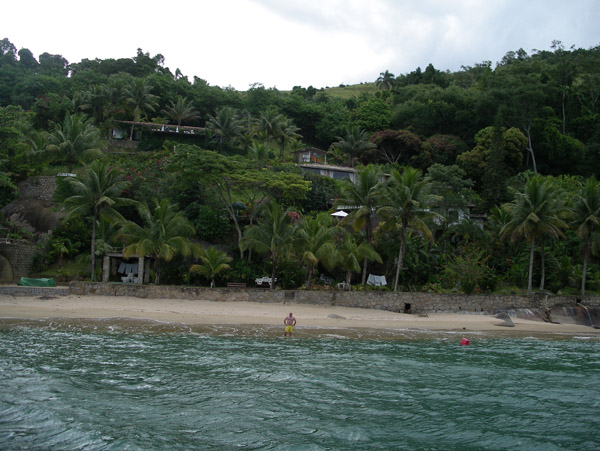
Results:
[122, 132]
[310, 155]
[134, 270]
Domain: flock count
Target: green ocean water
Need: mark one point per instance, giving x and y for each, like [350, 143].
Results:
[96, 388]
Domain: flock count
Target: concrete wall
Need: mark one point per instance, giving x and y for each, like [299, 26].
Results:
[397, 302]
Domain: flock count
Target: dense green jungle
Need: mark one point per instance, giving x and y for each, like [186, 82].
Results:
[480, 180]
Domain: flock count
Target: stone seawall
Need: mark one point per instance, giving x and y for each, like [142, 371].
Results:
[10, 290]
[19, 256]
[397, 302]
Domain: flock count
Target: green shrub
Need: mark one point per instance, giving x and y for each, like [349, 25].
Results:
[244, 271]
[290, 275]
[8, 190]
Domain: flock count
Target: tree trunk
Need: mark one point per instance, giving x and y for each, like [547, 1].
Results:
[348, 280]
[272, 287]
[93, 245]
[530, 147]
[543, 262]
[131, 134]
[585, 262]
[157, 271]
[212, 283]
[238, 229]
[369, 237]
[401, 254]
[309, 277]
[225, 196]
[564, 111]
[530, 282]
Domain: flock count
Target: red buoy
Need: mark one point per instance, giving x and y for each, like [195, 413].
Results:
[464, 342]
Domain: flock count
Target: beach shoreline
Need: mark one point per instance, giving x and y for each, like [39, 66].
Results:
[246, 317]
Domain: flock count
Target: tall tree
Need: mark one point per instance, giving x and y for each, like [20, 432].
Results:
[354, 143]
[165, 233]
[213, 262]
[116, 99]
[362, 198]
[535, 213]
[315, 243]
[287, 133]
[274, 236]
[385, 81]
[226, 126]
[407, 207]
[140, 99]
[181, 110]
[394, 146]
[75, 140]
[97, 193]
[270, 122]
[349, 254]
[586, 209]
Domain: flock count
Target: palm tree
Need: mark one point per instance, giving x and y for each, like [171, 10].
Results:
[75, 140]
[354, 143]
[335, 155]
[165, 234]
[315, 243]
[38, 140]
[94, 101]
[258, 152]
[586, 211]
[273, 236]
[363, 197]
[349, 253]
[106, 235]
[226, 126]
[116, 99]
[270, 122]
[140, 99]
[181, 111]
[385, 80]
[96, 194]
[286, 134]
[407, 207]
[214, 262]
[535, 213]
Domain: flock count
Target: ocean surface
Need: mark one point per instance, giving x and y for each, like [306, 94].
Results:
[98, 386]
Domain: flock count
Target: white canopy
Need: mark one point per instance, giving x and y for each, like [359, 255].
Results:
[340, 214]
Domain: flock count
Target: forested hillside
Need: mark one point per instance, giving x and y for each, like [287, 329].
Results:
[476, 180]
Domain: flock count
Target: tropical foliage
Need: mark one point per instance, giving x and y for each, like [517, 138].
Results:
[488, 171]
[98, 192]
[164, 234]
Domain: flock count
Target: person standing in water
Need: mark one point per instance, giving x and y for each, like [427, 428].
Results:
[289, 322]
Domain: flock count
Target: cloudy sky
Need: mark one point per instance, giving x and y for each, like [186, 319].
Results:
[283, 43]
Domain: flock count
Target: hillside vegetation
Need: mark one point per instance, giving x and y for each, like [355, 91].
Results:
[476, 180]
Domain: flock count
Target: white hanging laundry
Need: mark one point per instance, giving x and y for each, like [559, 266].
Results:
[377, 281]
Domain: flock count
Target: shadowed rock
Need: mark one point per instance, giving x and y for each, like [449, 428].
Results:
[507, 321]
[334, 316]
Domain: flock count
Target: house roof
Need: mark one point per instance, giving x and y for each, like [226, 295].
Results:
[330, 167]
[152, 124]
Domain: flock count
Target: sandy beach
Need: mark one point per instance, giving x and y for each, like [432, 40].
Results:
[250, 315]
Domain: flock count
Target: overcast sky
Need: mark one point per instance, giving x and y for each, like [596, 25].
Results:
[284, 43]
